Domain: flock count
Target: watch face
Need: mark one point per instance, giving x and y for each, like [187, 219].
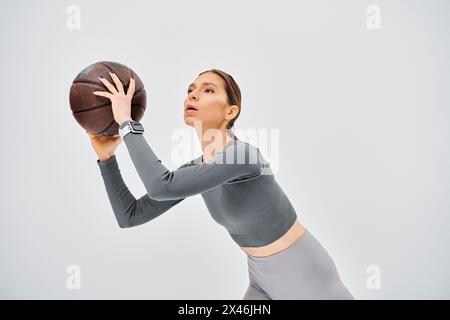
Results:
[137, 126]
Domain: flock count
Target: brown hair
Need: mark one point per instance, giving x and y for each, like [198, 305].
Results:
[233, 94]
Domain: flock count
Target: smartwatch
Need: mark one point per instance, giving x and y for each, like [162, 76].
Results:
[130, 126]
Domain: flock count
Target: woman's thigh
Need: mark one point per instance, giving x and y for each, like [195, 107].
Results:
[253, 293]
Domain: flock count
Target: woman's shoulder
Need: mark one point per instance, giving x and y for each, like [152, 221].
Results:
[243, 152]
[254, 152]
[238, 152]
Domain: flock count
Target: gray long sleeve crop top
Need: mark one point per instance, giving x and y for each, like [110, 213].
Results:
[237, 185]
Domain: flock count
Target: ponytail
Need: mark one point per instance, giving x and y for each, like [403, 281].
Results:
[231, 132]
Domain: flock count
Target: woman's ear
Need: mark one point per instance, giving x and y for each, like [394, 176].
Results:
[233, 111]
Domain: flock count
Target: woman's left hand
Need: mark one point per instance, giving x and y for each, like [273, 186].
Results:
[120, 102]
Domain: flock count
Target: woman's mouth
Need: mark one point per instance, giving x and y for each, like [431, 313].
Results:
[190, 109]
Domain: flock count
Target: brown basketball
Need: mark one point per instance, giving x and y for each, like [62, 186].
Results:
[94, 113]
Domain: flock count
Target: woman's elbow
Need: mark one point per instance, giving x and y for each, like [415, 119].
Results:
[124, 224]
[124, 220]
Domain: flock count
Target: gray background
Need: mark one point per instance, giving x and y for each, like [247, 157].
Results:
[363, 151]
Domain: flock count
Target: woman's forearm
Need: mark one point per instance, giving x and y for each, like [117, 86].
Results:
[128, 211]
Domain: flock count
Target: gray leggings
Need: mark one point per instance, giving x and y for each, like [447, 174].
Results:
[304, 270]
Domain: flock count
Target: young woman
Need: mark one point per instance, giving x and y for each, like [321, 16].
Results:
[285, 260]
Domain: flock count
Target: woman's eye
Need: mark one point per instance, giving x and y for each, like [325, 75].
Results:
[189, 91]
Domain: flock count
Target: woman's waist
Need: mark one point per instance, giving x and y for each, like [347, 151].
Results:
[285, 241]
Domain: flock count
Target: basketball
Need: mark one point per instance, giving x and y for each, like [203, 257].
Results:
[94, 113]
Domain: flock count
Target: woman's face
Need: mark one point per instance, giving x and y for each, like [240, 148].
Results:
[207, 94]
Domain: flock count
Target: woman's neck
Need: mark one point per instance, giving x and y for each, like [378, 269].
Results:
[218, 143]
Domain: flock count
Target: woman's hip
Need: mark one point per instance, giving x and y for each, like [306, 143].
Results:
[301, 271]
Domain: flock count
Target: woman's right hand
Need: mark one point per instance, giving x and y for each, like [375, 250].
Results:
[104, 146]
